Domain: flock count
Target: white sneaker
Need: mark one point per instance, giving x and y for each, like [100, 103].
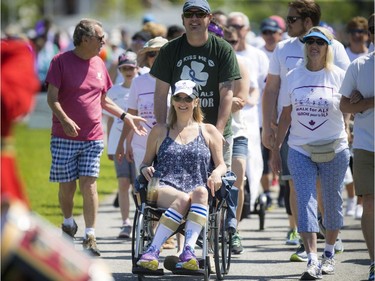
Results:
[350, 207]
[328, 265]
[313, 271]
[358, 212]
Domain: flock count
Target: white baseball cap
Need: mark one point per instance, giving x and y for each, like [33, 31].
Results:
[186, 87]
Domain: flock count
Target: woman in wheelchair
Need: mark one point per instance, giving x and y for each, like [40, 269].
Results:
[184, 149]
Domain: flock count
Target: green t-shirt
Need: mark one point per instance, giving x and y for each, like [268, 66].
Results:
[213, 63]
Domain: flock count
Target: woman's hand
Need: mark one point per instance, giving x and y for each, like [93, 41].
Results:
[147, 172]
[214, 182]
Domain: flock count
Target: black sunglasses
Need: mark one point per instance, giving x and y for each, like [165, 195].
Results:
[152, 54]
[232, 42]
[291, 19]
[198, 14]
[360, 31]
[268, 32]
[320, 42]
[237, 26]
[178, 98]
[99, 38]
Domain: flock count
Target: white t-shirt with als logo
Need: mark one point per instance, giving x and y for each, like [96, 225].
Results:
[315, 100]
[141, 98]
[288, 55]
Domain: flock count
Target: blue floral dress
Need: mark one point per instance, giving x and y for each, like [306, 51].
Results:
[184, 166]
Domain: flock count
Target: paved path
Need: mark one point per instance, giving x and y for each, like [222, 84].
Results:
[266, 256]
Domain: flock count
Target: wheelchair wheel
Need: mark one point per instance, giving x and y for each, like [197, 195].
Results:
[222, 243]
[137, 237]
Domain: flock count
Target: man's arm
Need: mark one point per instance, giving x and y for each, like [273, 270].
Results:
[346, 106]
[241, 88]
[134, 121]
[269, 103]
[225, 107]
[69, 126]
[160, 101]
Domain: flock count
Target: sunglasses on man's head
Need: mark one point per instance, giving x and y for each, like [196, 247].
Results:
[152, 54]
[319, 42]
[186, 99]
[292, 19]
[198, 14]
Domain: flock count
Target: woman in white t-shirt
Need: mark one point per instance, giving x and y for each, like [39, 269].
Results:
[318, 146]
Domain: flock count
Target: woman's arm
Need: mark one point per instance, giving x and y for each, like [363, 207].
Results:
[284, 123]
[154, 140]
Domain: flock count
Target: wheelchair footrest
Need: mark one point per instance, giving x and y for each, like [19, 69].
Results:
[182, 271]
[144, 271]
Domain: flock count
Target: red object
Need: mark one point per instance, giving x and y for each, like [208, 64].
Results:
[19, 84]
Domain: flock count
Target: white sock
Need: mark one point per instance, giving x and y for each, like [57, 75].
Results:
[312, 257]
[192, 229]
[163, 232]
[329, 248]
[68, 221]
[89, 231]
[126, 222]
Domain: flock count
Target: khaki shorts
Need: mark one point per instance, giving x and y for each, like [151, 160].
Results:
[363, 171]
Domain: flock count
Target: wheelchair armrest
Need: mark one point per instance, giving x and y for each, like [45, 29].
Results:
[140, 186]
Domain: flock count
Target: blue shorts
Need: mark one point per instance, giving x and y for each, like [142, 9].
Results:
[240, 147]
[72, 159]
[125, 169]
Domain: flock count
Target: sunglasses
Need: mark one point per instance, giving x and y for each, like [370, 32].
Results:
[99, 38]
[232, 42]
[268, 32]
[237, 26]
[152, 54]
[359, 31]
[186, 99]
[319, 42]
[198, 14]
[292, 19]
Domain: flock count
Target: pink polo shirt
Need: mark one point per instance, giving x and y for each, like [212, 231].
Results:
[81, 84]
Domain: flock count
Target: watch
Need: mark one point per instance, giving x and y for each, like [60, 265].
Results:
[122, 117]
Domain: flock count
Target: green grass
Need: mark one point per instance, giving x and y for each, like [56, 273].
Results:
[34, 160]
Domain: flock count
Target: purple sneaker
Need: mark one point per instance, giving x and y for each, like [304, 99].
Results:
[187, 259]
[150, 259]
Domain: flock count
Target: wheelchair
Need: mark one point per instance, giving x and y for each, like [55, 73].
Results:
[215, 237]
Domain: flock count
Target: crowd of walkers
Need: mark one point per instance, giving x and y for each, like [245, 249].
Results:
[293, 105]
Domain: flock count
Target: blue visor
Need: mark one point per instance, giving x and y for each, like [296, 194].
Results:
[317, 34]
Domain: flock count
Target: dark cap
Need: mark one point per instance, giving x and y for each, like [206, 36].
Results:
[129, 58]
[199, 4]
[269, 24]
[144, 35]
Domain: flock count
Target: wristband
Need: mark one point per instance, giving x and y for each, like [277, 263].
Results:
[122, 117]
[142, 167]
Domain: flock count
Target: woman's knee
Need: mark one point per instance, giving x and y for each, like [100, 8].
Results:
[199, 195]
